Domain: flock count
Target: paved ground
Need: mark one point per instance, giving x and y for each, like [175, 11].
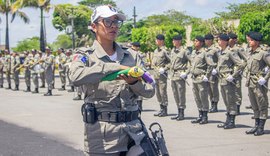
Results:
[34, 125]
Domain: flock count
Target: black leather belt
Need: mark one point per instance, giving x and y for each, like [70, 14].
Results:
[116, 117]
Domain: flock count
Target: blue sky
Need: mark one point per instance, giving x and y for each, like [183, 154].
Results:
[198, 8]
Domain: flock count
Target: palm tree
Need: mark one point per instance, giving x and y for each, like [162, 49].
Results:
[43, 5]
[5, 8]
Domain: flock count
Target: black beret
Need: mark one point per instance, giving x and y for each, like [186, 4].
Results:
[209, 37]
[136, 44]
[249, 33]
[199, 38]
[177, 37]
[232, 36]
[256, 36]
[224, 37]
[160, 37]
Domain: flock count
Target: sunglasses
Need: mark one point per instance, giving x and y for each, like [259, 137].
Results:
[108, 22]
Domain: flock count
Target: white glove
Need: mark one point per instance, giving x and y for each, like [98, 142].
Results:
[214, 72]
[230, 78]
[261, 81]
[161, 70]
[266, 69]
[205, 79]
[183, 75]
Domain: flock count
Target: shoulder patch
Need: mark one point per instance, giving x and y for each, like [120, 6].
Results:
[79, 57]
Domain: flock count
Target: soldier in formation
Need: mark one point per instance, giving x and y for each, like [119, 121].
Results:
[179, 69]
[160, 63]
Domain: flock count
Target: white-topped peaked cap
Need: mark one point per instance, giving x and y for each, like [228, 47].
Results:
[106, 11]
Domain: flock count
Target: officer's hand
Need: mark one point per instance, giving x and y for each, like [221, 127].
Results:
[161, 70]
[205, 79]
[261, 81]
[183, 75]
[214, 72]
[230, 78]
[128, 79]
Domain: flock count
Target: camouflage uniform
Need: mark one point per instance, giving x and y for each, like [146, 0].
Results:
[7, 69]
[1, 71]
[62, 58]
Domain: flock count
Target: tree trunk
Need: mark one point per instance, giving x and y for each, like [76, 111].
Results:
[42, 38]
[7, 33]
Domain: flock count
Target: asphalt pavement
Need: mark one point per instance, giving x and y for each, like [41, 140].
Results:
[35, 125]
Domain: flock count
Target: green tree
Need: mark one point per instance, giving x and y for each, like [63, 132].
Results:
[63, 41]
[147, 36]
[27, 44]
[235, 11]
[81, 14]
[94, 3]
[171, 17]
[43, 5]
[255, 21]
[6, 9]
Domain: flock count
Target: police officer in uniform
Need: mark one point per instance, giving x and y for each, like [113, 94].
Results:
[229, 67]
[238, 80]
[135, 50]
[257, 80]
[68, 63]
[1, 70]
[111, 104]
[213, 86]
[62, 58]
[7, 68]
[178, 74]
[202, 65]
[27, 72]
[34, 62]
[160, 64]
[15, 63]
[49, 67]
[42, 74]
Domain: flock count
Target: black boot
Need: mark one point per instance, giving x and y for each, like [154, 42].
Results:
[181, 115]
[42, 86]
[176, 116]
[199, 119]
[72, 89]
[49, 93]
[204, 118]
[238, 110]
[213, 109]
[226, 122]
[36, 91]
[157, 114]
[79, 97]
[163, 112]
[139, 102]
[254, 129]
[62, 88]
[1, 86]
[231, 123]
[260, 130]
[28, 89]
[249, 107]
[16, 88]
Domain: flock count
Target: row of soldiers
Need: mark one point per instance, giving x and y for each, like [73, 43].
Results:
[212, 66]
[37, 65]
